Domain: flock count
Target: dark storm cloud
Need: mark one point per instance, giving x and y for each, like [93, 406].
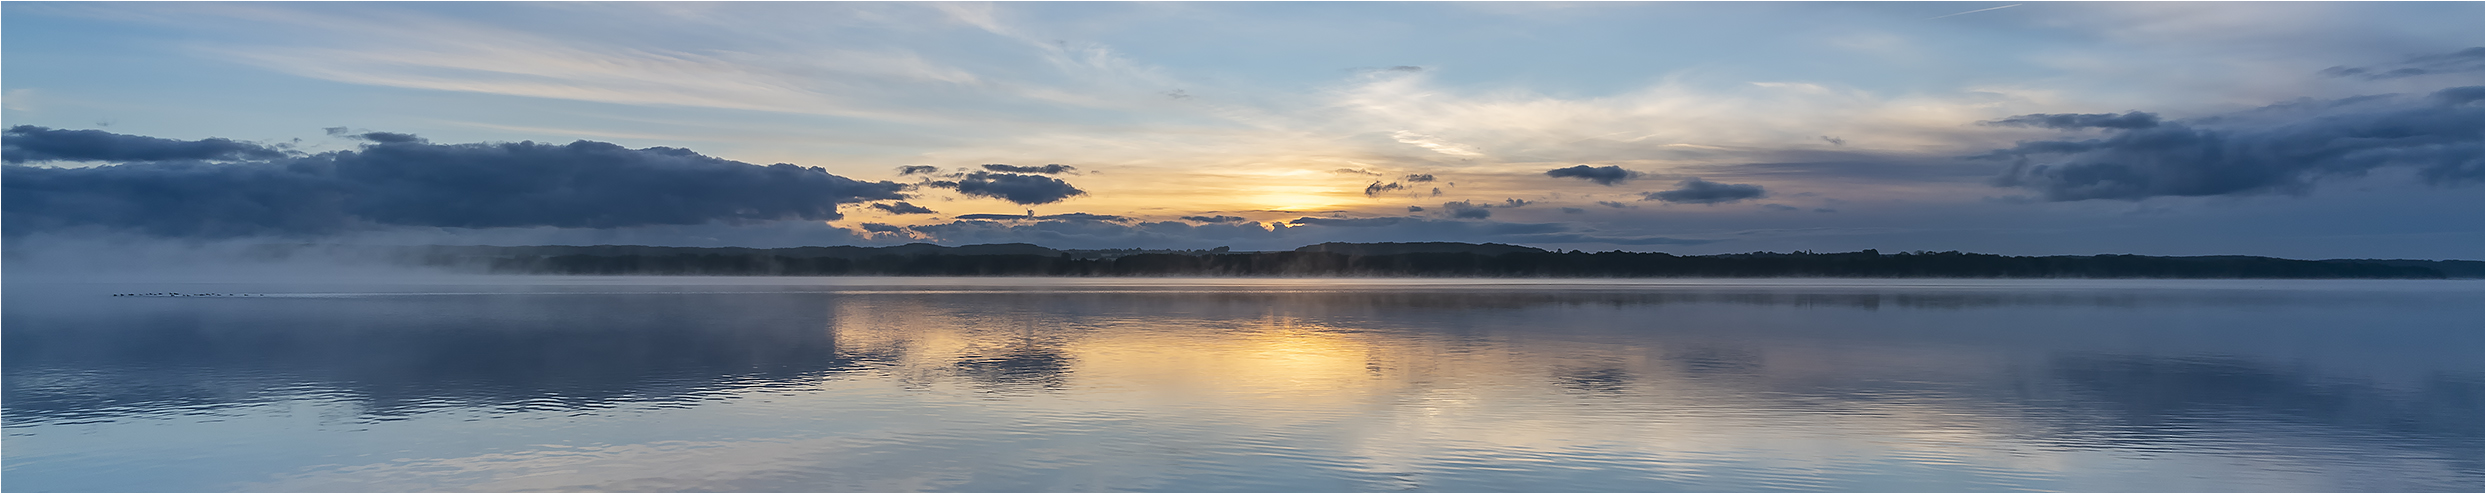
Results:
[2281, 148]
[1377, 188]
[882, 228]
[1214, 219]
[1603, 175]
[918, 169]
[27, 143]
[1468, 210]
[1697, 191]
[1021, 189]
[901, 207]
[2073, 121]
[1047, 169]
[2459, 62]
[584, 184]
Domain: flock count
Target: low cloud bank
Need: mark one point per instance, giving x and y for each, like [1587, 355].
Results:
[413, 183]
[29, 144]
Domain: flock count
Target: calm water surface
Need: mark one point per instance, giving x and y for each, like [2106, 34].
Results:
[948, 384]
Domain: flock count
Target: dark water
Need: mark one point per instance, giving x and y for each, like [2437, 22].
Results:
[728, 384]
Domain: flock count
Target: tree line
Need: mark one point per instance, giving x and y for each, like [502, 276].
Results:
[1514, 263]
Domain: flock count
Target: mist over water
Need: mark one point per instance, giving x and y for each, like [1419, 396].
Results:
[485, 383]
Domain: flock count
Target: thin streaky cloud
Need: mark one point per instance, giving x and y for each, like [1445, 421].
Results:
[1972, 11]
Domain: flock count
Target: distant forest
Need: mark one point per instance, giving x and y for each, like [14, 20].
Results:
[1429, 259]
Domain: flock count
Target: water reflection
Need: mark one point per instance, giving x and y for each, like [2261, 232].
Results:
[2154, 387]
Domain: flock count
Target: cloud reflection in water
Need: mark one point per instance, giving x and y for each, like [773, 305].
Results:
[2152, 386]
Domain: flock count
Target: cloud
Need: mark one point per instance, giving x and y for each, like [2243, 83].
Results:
[882, 228]
[1573, 210]
[1434, 143]
[1415, 209]
[1468, 210]
[27, 143]
[1214, 219]
[1418, 178]
[1862, 169]
[2075, 121]
[1349, 222]
[1780, 207]
[1084, 217]
[1615, 205]
[1047, 169]
[1019, 189]
[1356, 171]
[1050, 217]
[584, 184]
[1404, 68]
[390, 138]
[1512, 203]
[1377, 188]
[2279, 148]
[1603, 175]
[2465, 61]
[918, 169]
[1834, 141]
[901, 207]
[1697, 191]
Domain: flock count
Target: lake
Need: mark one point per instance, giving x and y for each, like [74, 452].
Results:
[997, 384]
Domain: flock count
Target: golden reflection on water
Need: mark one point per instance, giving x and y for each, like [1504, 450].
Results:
[1395, 397]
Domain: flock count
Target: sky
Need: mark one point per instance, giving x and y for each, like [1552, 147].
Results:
[2296, 129]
